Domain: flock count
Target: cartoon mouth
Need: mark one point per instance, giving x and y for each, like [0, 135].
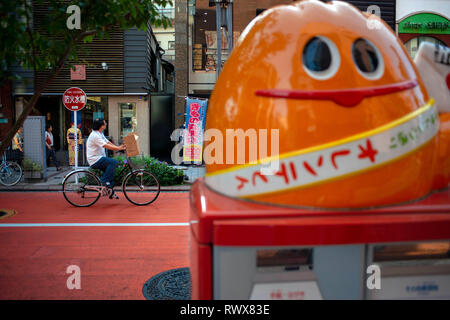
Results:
[343, 97]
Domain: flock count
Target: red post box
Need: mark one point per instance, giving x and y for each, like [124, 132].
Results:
[347, 204]
[230, 239]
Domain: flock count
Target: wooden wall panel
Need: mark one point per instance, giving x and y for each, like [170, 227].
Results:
[97, 80]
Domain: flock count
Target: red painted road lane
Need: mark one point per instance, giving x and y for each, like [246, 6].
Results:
[115, 262]
[51, 207]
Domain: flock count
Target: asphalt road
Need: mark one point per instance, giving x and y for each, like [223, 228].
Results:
[116, 246]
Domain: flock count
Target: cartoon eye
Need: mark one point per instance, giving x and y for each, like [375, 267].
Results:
[368, 59]
[321, 58]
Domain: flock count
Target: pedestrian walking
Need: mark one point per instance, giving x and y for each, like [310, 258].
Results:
[50, 147]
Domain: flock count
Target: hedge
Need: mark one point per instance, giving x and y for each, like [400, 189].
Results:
[167, 175]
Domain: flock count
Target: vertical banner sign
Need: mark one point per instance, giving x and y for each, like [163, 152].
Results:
[193, 134]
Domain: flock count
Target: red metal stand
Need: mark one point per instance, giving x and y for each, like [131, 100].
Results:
[220, 220]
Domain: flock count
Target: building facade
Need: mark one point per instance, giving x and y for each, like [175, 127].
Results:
[166, 36]
[119, 75]
[196, 39]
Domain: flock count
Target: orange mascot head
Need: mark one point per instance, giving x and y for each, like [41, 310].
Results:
[334, 107]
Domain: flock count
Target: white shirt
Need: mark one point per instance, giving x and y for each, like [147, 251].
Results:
[50, 135]
[94, 147]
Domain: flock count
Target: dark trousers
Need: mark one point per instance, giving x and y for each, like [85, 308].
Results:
[108, 165]
[51, 153]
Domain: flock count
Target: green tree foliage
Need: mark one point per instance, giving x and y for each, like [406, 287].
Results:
[49, 45]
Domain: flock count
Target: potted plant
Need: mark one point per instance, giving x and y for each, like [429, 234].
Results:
[37, 171]
[28, 168]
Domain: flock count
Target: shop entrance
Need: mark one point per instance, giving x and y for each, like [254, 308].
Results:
[161, 126]
[50, 108]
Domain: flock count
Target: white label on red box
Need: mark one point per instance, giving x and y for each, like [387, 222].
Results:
[414, 287]
[299, 290]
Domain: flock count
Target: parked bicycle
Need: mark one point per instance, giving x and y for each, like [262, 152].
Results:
[82, 188]
[10, 172]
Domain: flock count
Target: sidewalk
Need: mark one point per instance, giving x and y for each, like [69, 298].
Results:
[55, 178]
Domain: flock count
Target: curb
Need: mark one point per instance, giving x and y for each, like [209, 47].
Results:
[51, 186]
[58, 188]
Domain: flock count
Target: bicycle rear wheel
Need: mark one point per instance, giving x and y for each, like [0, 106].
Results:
[141, 187]
[81, 188]
[10, 173]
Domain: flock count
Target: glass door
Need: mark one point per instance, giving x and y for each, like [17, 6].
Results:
[127, 119]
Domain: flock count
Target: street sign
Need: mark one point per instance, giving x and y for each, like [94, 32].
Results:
[74, 99]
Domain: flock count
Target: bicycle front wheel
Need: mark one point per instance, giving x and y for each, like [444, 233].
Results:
[81, 188]
[141, 187]
[10, 173]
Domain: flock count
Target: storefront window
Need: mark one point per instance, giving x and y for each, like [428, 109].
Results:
[127, 118]
[96, 108]
[413, 44]
[204, 38]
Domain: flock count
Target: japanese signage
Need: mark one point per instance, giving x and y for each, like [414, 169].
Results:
[193, 136]
[74, 99]
[426, 23]
[414, 287]
[306, 290]
[79, 73]
[333, 160]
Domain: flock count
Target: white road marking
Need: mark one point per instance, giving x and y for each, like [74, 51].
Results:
[39, 225]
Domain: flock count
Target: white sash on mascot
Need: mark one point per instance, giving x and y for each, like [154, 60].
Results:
[334, 160]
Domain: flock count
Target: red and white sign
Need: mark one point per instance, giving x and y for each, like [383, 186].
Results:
[74, 99]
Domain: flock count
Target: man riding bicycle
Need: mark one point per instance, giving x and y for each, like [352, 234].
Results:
[96, 155]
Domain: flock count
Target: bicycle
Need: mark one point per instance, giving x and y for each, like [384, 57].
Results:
[10, 172]
[82, 188]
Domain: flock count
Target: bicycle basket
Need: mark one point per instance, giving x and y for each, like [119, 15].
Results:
[137, 162]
